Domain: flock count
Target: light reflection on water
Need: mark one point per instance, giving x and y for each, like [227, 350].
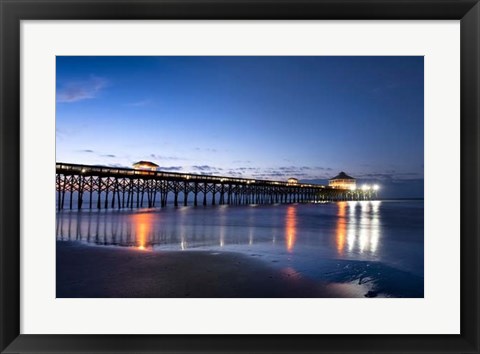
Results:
[341, 226]
[356, 227]
[351, 230]
[192, 228]
[350, 241]
[142, 223]
[290, 227]
[362, 228]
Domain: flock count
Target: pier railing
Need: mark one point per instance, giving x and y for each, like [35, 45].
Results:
[110, 187]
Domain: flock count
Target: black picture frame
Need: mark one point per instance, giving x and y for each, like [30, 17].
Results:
[14, 11]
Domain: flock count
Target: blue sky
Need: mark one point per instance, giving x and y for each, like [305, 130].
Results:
[260, 117]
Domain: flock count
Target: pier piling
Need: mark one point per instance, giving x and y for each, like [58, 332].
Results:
[130, 188]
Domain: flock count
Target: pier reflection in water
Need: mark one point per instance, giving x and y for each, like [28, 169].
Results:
[350, 229]
[367, 244]
[356, 226]
[182, 228]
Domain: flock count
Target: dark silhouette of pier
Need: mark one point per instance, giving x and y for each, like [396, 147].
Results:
[103, 187]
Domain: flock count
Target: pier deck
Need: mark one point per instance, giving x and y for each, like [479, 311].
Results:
[110, 187]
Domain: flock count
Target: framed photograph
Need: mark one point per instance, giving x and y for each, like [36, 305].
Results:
[240, 176]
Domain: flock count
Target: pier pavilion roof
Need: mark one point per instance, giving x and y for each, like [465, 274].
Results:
[342, 175]
[145, 164]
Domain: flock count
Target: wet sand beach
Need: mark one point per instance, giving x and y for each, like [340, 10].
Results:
[85, 271]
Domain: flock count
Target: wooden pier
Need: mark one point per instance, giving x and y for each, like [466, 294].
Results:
[103, 187]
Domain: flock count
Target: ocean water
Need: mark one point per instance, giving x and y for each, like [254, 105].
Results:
[370, 248]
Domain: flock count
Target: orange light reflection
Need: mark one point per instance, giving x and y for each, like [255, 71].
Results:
[143, 224]
[291, 227]
[341, 230]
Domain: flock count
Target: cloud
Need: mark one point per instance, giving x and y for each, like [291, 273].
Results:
[118, 165]
[162, 157]
[393, 177]
[276, 175]
[87, 150]
[282, 172]
[109, 155]
[245, 169]
[321, 180]
[80, 90]
[206, 149]
[265, 175]
[204, 168]
[295, 171]
[234, 173]
[170, 168]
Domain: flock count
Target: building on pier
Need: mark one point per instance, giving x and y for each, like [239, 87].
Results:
[342, 181]
[292, 181]
[145, 165]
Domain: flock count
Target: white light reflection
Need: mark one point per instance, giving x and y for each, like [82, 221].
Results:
[222, 236]
[352, 225]
[363, 227]
[222, 210]
[375, 226]
[182, 230]
[362, 240]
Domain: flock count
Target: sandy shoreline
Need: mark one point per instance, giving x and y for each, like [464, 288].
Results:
[91, 272]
